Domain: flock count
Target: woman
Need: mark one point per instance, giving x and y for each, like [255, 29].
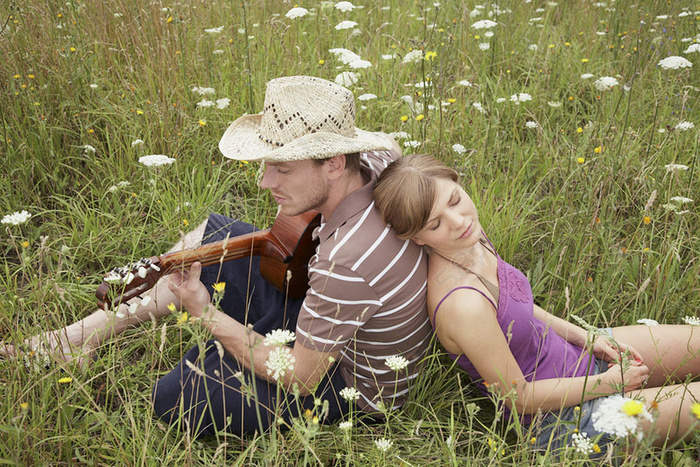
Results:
[483, 314]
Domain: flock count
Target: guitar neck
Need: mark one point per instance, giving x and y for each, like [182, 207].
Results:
[261, 243]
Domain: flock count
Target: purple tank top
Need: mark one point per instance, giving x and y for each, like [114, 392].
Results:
[540, 352]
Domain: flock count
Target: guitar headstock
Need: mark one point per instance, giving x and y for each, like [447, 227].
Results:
[122, 284]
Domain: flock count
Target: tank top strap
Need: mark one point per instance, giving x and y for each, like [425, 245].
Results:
[465, 287]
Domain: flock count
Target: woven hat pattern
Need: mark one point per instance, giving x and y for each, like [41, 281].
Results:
[303, 118]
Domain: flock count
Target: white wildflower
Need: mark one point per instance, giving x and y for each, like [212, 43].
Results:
[605, 83]
[214, 30]
[530, 124]
[204, 103]
[156, 160]
[16, 218]
[620, 416]
[484, 24]
[202, 91]
[344, 6]
[587, 76]
[581, 443]
[465, 83]
[217, 52]
[345, 25]
[478, 106]
[484, 46]
[554, 104]
[349, 394]
[459, 149]
[683, 126]
[279, 361]
[692, 48]
[297, 12]
[345, 425]
[388, 56]
[383, 444]
[648, 322]
[533, 47]
[681, 199]
[89, 149]
[93, 86]
[674, 63]
[223, 103]
[520, 97]
[675, 167]
[346, 78]
[399, 135]
[396, 362]
[279, 337]
[137, 142]
[366, 97]
[501, 100]
[412, 144]
[488, 34]
[692, 320]
[414, 56]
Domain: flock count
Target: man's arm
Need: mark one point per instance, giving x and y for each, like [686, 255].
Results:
[245, 344]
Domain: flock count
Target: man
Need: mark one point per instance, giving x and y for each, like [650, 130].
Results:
[366, 300]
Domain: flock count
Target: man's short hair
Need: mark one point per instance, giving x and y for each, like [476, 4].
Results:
[352, 162]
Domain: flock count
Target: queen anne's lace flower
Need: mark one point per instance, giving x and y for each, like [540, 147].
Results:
[346, 78]
[16, 218]
[279, 361]
[692, 48]
[683, 126]
[414, 56]
[620, 416]
[156, 160]
[383, 444]
[648, 322]
[675, 63]
[345, 25]
[344, 6]
[692, 320]
[279, 337]
[520, 97]
[396, 362]
[581, 443]
[350, 394]
[605, 83]
[459, 149]
[484, 24]
[297, 12]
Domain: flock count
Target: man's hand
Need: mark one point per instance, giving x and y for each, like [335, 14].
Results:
[189, 289]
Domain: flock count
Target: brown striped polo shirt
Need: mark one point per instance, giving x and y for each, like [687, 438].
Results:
[367, 296]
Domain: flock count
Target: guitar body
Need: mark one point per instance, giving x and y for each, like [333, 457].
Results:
[290, 272]
[285, 252]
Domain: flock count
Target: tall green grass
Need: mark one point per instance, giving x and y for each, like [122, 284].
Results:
[576, 202]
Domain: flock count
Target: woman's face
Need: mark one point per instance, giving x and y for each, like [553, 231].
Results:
[453, 224]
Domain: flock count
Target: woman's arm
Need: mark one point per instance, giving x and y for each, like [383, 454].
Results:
[603, 347]
[467, 324]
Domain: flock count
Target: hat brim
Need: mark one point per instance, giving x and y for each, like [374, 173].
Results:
[241, 141]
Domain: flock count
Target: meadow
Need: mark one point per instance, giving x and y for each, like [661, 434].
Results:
[573, 123]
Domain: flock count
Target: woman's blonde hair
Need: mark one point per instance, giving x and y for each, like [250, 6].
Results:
[405, 192]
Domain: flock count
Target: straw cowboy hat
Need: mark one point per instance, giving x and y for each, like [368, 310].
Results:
[303, 118]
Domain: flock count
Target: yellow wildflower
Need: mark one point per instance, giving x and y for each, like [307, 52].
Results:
[65, 380]
[632, 407]
[219, 287]
[647, 220]
[404, 118]
[695, 409]
[172, 308]
[419, 117]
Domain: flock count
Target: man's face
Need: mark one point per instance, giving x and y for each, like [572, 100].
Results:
[298, 186]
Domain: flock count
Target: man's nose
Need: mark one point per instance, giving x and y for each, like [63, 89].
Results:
[266, 181]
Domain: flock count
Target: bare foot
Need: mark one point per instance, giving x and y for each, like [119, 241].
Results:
[40, 351]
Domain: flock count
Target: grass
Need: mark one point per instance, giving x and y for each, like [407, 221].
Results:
[579, 202]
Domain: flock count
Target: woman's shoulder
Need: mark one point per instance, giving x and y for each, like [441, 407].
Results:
[451, 288]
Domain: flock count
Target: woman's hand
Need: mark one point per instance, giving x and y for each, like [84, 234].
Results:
[189, 289]
[610, 350]
[627, 377]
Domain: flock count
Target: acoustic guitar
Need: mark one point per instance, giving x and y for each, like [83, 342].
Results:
[285, 250]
